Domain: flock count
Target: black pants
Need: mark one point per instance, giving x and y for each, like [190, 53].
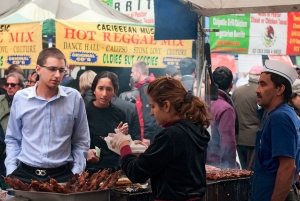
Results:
[246, 156]
[25, 174]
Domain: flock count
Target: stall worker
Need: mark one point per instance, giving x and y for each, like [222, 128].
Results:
[175, 162]
[47, 132]
[103, 117]
[277, 162]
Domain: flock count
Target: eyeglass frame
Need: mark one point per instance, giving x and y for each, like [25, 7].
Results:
[30, 81]
[57, 69]
[11, 84]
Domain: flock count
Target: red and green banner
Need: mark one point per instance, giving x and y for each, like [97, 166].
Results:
[261, 34]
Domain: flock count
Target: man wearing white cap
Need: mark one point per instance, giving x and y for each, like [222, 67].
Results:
[277, 162]
[245, 100]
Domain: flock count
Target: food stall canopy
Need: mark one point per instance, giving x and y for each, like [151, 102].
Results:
[24, 11]
[174, 20]
[178, 19]
[225, 7]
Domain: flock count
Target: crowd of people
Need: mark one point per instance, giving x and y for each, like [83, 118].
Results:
[47, 129]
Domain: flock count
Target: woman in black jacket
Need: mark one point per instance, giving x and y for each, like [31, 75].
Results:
[175, 162]
[103, 117]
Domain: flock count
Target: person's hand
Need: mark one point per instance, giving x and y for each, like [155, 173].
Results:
[140, 142]
[118, 138]
[147, 142]
[123, 128]
[92, 158]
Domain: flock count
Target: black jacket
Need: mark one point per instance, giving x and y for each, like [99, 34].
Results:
[188, 82]
[132, 117]
[2, 91]
[151, 129]
[88, 96]
[103, 121]
[130, 96]
[175, 162]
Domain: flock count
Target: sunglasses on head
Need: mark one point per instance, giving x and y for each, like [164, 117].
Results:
[11, 84]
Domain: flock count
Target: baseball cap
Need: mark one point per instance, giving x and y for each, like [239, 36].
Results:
[256, 70]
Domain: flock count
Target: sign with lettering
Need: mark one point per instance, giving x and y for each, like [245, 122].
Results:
[117, 45]
[233, 36]
[265, 33]
[20, 44]
[268, 33]
[293, 34]
[142, 10]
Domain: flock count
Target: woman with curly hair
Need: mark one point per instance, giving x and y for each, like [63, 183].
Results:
[175, 162]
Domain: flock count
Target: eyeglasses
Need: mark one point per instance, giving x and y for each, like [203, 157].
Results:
[54, 69]
[29, 81]
[11, 84]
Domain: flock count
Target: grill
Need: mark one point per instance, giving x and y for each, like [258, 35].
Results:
[236, 189]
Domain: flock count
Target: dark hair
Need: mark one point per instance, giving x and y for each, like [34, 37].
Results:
[103, 74]
[32, 73]
[167, 88]
[50, 52]
[187, 66]
[171, 70]
[291, 103]
[2, 81]
[223, 77]
[278, 80]
[14, 68]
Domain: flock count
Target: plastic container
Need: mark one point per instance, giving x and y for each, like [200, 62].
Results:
[3, 194]
[136, 149]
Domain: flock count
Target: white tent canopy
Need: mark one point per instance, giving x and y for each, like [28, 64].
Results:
[24, 11]
[225, 7]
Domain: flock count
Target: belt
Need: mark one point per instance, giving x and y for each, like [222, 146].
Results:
[44, 171]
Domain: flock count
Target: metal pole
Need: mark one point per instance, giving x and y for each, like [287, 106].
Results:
[200, 51]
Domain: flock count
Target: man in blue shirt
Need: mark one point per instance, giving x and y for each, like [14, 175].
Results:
[277, 162]
[47, 132]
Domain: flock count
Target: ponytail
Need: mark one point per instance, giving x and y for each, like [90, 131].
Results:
[187, 105]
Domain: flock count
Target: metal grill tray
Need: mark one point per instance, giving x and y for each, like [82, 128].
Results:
[209, 181]
[101, 195]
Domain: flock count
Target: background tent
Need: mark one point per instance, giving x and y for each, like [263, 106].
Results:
[225, 7]
[23, 11]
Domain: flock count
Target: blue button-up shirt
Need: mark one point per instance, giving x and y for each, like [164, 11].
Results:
[47, 134]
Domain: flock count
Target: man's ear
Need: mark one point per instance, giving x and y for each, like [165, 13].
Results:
[38, 69]
[280, 90]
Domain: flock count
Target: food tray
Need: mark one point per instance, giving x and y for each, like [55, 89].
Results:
[101, 195]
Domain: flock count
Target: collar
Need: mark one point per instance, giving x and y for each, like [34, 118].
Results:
[168, 123]
[32, 93]
[277, 106]
[8, 100]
